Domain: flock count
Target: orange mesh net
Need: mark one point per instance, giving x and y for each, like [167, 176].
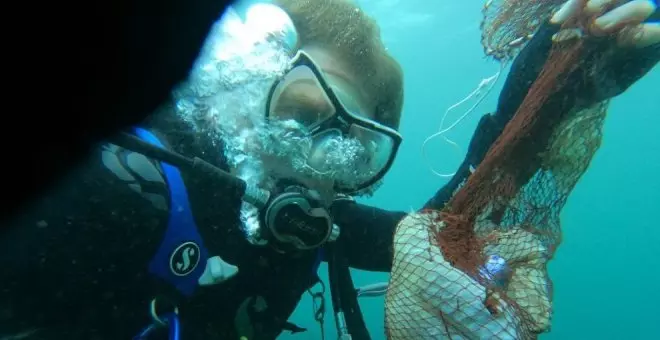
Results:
[477, 269]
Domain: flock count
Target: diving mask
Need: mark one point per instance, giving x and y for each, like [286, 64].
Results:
[318, 102]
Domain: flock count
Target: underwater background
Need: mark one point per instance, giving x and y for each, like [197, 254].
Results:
[606, 270]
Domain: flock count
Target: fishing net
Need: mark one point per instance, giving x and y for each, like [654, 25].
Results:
[508, 24]
[477, 268]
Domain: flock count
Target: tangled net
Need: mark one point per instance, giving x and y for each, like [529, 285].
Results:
[509, 24]
[477, 269]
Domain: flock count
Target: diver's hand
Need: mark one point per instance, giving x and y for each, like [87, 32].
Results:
[625, 19]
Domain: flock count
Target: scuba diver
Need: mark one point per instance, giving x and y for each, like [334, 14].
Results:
[212, 235]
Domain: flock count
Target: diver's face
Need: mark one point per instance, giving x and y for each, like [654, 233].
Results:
[319, 132]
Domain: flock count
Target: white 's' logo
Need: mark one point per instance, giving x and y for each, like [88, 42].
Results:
[184, 259]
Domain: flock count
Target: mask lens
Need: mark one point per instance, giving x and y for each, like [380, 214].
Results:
[300, 96]
[379, 147]
[358, 156]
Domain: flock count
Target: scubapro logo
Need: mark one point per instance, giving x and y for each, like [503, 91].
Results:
[184, 259]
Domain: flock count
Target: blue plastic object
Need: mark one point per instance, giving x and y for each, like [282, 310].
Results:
[496, 270]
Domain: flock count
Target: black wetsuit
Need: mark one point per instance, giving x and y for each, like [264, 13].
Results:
[76, 264]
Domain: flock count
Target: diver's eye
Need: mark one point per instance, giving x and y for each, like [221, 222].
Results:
[306, 116]
[304, 103]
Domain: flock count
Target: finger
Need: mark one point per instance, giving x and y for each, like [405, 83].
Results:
[639, 36]
[569, 10]
[598, 6]
[631, 13]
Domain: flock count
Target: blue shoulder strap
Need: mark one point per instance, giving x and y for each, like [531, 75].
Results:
[181, 257]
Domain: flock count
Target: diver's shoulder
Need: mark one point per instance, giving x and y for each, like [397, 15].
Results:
[129, 171]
